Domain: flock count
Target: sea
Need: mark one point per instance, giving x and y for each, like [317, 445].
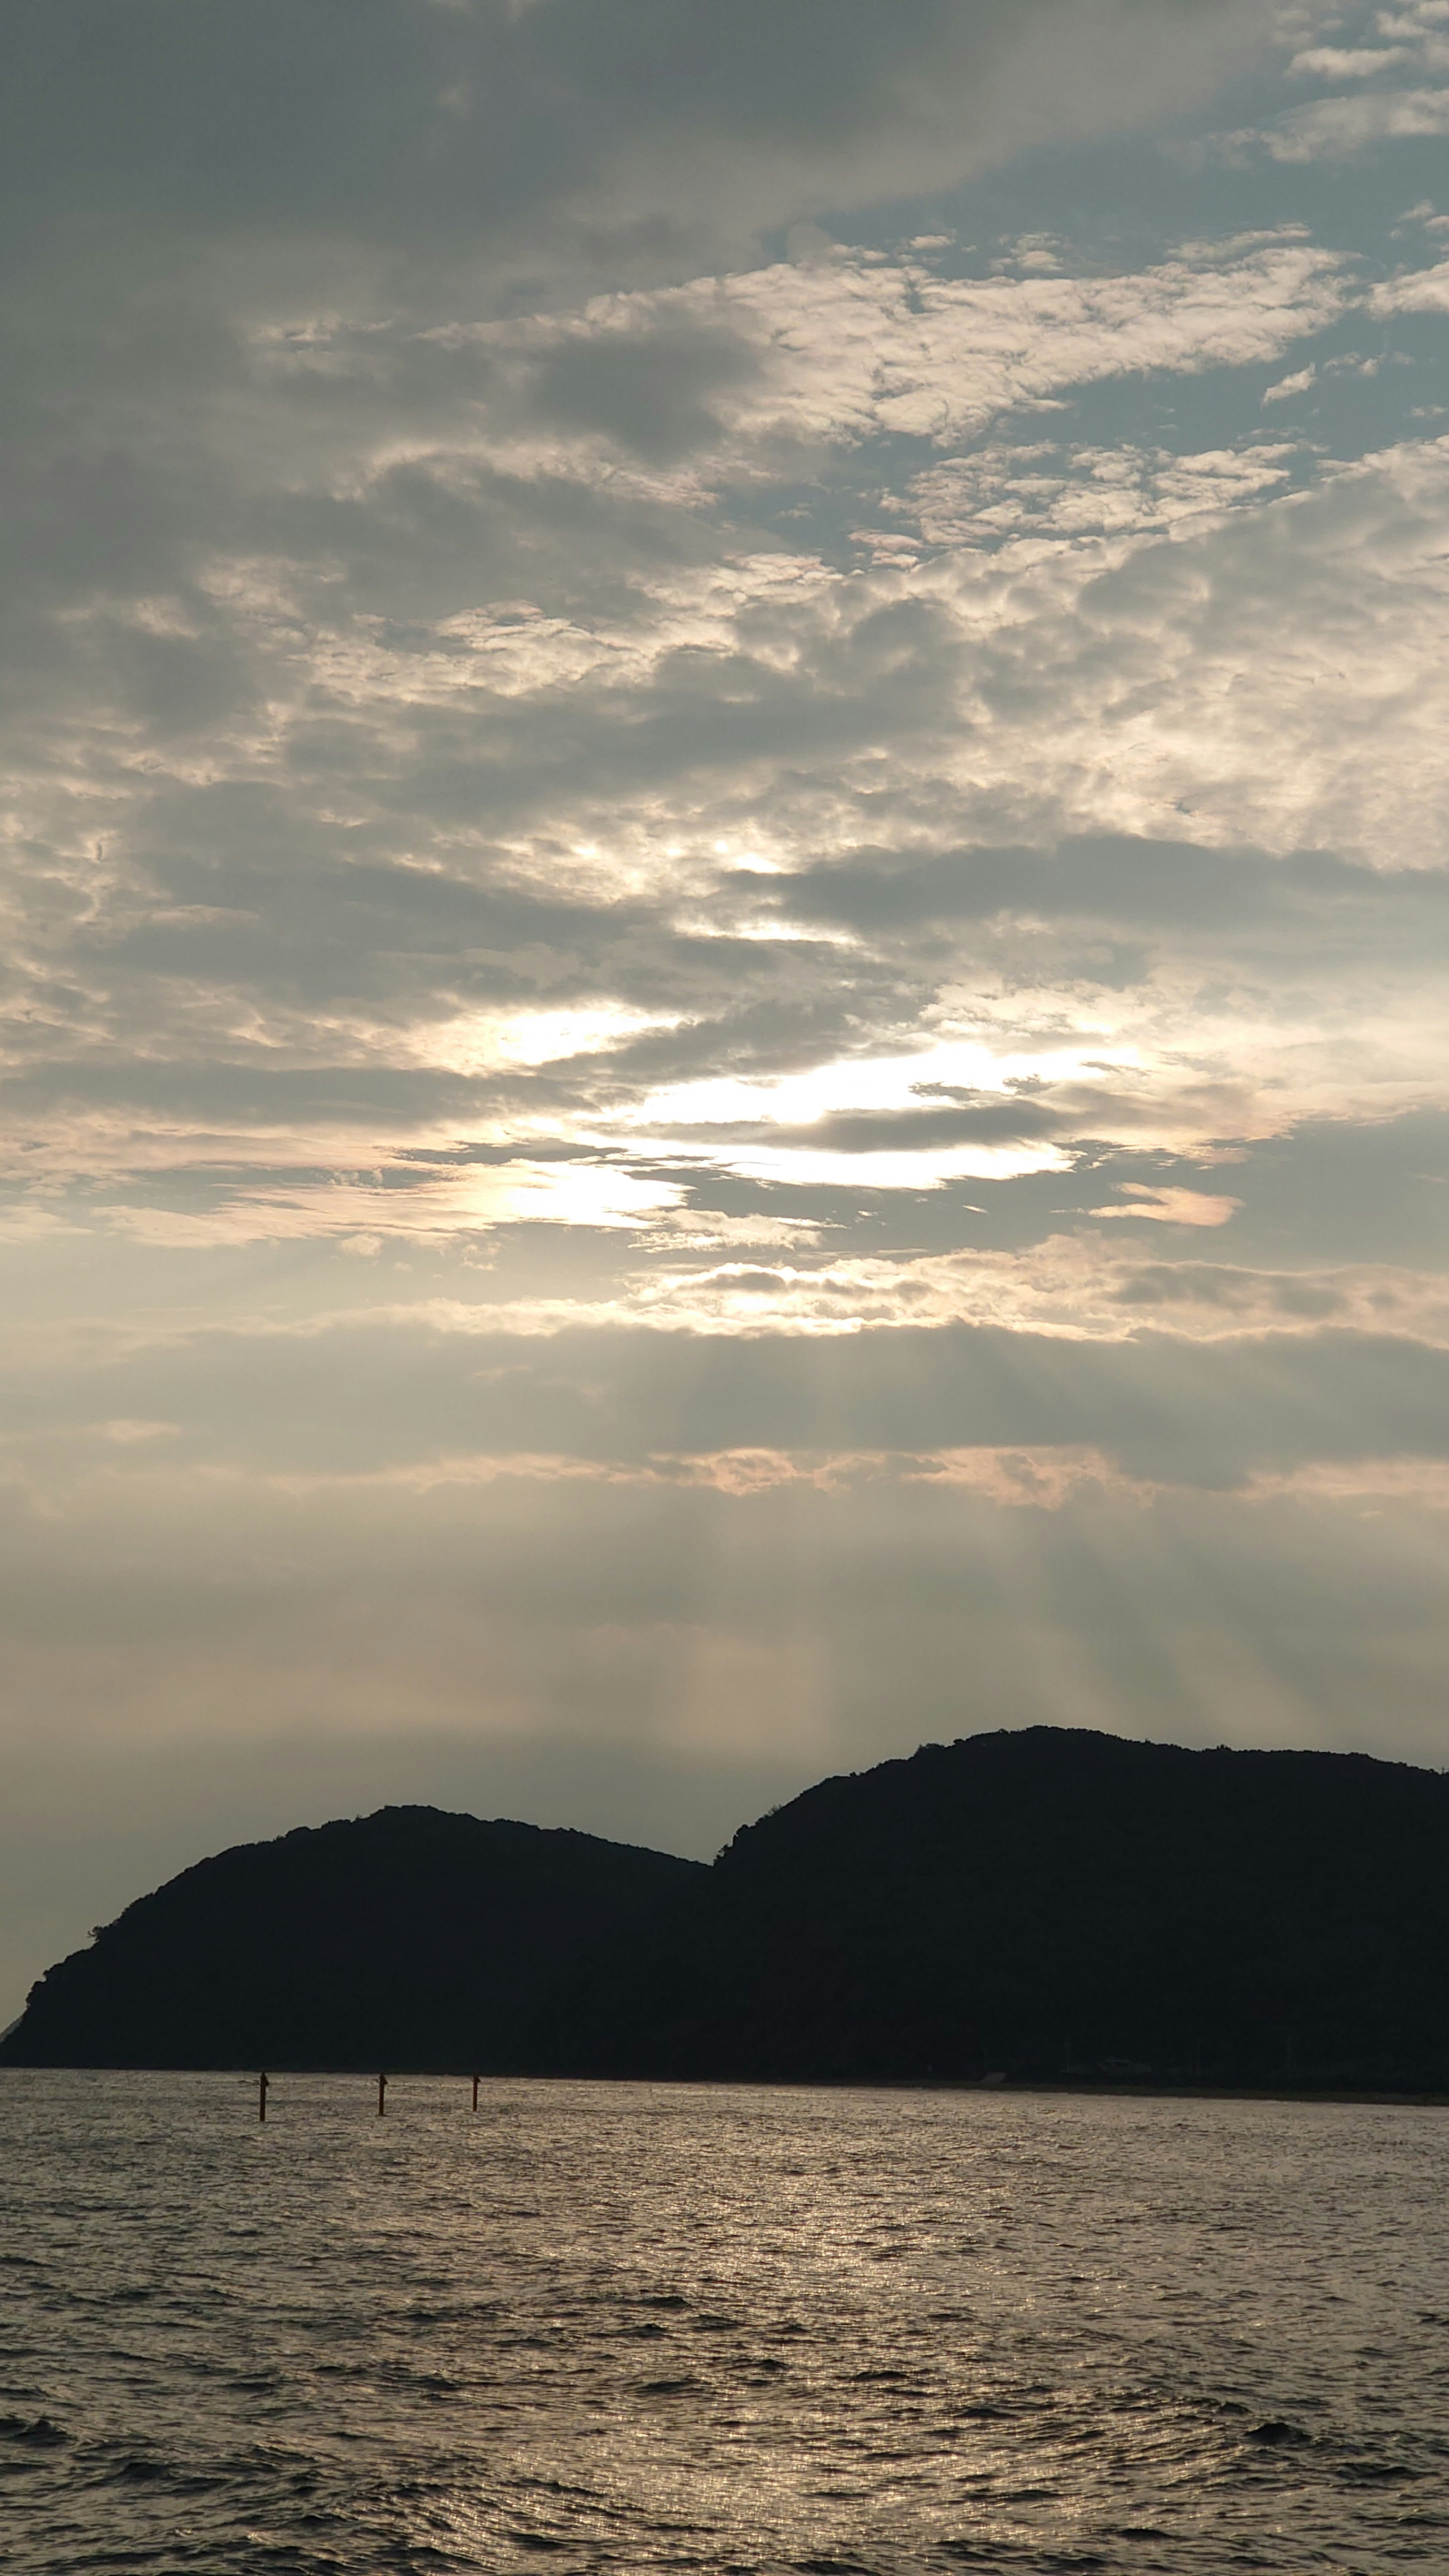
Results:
[674, 2327]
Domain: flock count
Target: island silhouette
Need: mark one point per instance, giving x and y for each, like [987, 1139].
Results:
[1047, 1903]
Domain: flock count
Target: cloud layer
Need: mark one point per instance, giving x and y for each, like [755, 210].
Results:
[725, 896]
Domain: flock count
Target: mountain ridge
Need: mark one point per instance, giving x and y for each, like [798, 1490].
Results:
[1040, 1902]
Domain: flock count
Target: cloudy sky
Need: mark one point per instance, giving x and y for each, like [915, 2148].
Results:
[726, 902]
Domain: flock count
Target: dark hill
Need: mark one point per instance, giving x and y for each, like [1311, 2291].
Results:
[1043, 1903]
[407, 1939]
[1055, 1901]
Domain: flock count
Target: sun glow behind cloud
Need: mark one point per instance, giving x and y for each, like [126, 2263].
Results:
[477, 1042]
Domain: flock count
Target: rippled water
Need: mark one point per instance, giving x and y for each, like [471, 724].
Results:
[639, 2327]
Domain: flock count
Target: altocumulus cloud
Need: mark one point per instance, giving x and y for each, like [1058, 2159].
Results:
[725, 897]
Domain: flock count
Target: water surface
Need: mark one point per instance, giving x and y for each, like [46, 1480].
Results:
[664, 2327]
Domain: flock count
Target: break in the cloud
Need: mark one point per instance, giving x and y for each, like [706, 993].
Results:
[725, 899]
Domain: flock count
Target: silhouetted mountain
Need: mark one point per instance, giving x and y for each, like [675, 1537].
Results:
[1044, 1903]
[1054, 1901]
[407, 1939]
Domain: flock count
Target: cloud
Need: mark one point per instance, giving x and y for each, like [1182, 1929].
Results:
[1415, 38]
[1172, 1207]
[724, 895]
[1232, 1292]
[848, 351]
[527, 1020]
[1287, 386]
[1421, 291]
[1334, 129]
[1170, 1409]
[582, 129]
[1067, 1283]
[1334, 62]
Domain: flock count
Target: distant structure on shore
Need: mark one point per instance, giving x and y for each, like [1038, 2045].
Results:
[1038, 1904]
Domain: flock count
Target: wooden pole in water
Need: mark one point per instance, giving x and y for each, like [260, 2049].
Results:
[381, 2095]
[475, 2092]
[262, 2098]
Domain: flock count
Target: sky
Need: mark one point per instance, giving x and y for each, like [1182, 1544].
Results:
[726, 903]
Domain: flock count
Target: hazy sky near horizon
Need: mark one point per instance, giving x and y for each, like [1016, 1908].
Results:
[726, 902]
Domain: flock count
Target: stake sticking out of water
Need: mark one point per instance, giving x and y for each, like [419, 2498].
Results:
[381, 2095]
[475, 2092]
[262, 2097]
